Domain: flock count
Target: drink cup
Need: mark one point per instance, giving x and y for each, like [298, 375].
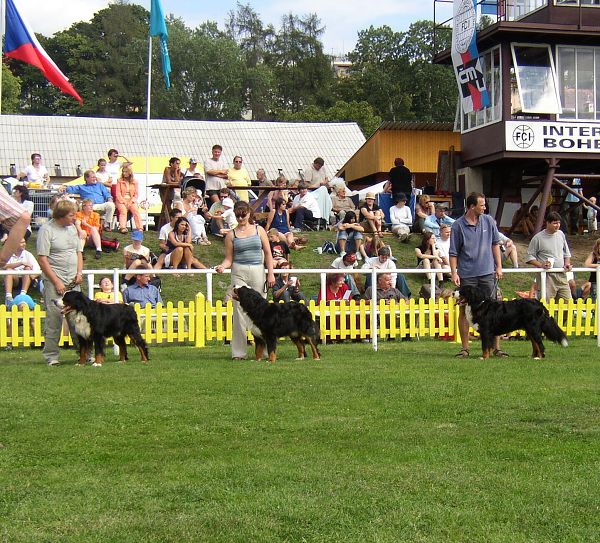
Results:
[551, 262]
[293, 281]
[320, 250]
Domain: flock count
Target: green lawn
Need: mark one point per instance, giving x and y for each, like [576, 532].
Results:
[406, 444]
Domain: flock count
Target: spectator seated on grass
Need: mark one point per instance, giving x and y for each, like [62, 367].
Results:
[89, 228]
[136, 256]
[164, 259]
[228, 216]
[347, 261]
[304, 207]
[423, 209]
[372, 216]
[286, 288]
[385, 289]
[384, 261]
[181, 248]
[349, 237]
[279, 249]
[142, 292]
[335, 289]
[279, 220]
[21, 260]
[401, 218]
[215, 213]
[106, 293]
[433, 222]
[428, 256]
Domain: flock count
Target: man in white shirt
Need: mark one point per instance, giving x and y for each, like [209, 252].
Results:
[401, 218]
[215, 173]
[315, 175]
[304, 207]
[113, 168]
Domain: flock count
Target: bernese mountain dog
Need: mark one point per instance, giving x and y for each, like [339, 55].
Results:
[93, 322]
[493, 318]
[274, 320]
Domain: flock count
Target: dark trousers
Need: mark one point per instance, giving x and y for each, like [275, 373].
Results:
[300, 215]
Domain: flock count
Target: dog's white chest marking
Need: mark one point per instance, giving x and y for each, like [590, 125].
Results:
[469, 315]
[80, 324]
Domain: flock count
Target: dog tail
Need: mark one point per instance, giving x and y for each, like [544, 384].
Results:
[553, 332]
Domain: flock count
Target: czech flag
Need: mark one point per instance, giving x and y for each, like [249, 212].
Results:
[21, 44]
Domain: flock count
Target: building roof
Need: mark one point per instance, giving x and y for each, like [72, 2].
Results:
[74, 141]
[421, 126]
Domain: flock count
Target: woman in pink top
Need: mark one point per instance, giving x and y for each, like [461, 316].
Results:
[127, 196]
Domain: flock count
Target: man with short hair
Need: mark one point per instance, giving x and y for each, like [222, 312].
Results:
[97, 193]
[400, 180]
[549, 249]
[443, 244]
[21, 260]
[142, 292]
[304, 207]
[433, 222]
[475, 260]
[261, 178]
[215, 213]
[385, 289]
[113, 168]
[315, 175]
[215, 172]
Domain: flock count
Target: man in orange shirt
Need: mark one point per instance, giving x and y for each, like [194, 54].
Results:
[88, 226]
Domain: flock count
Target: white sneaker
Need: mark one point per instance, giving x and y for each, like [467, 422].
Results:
[96, 365]
[358, 256]
[53, 363]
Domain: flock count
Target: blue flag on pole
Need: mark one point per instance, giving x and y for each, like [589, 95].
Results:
[158, 27]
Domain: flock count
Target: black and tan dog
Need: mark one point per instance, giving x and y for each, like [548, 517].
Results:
[273, 320]
[93, 322]
[493, 318]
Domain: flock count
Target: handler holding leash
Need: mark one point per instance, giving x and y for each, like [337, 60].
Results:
[61, 260]
[247, 253]
[475, 260]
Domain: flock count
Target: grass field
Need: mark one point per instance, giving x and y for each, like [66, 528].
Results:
[406, 444]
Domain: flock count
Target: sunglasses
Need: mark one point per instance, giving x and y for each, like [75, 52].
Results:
[237, 161]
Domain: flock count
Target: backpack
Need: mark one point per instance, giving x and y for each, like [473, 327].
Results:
[329, 248]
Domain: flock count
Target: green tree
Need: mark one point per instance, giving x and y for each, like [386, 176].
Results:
[303, 73]
[358, 112]
[254, 39]
[11, 91]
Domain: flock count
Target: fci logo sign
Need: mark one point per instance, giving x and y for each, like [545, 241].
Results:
[523, 136]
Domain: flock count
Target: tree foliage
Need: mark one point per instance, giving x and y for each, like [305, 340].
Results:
[248, 70]
[11, 90]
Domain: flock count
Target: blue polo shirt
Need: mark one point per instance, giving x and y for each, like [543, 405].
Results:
[96, 192]
[136, 294]
[472, 245]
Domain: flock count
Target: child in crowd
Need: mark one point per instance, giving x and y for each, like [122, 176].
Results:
[228, 216]
[106, 294]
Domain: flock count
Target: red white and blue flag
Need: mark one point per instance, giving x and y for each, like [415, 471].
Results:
[21, 44]
[465, 58]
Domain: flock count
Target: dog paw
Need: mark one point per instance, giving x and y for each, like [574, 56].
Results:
[299, 358]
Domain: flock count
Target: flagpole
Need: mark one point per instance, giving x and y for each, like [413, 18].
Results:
[148, 95]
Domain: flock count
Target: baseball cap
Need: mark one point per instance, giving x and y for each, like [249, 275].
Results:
[350, 257]
[193, 161]
[227, 202]
[137, 235]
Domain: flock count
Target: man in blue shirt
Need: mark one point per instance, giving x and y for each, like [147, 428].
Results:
[141, 292]
[433, 222]
[475, 260]
[97, 193]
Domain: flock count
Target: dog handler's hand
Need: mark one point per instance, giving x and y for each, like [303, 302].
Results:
[60, 287]
[456, 279]
[78, 279]
[219, 268]
[499, 273]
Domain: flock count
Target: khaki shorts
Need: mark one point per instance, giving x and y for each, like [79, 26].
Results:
[557, 286]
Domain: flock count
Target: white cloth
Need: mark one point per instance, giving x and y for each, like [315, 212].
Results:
[163, 235]
[35, 175]
[309, 202]
[443, 247]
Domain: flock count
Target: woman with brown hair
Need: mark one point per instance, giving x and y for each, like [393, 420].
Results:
[423, 208]
[247, 251]
[127, 199]
[428, 256]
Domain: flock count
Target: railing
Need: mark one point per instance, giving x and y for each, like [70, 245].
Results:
[202, 320]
